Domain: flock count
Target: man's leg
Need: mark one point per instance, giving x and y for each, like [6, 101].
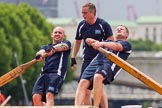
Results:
[49, 99]
[98, 88]
[37, 99]
[104, 102]
[87, 100]
[81, 92]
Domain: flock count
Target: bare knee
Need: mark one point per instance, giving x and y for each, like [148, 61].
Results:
[49, 96]
[98, 78]
[84, 84]
[49, 99]
[37, 99]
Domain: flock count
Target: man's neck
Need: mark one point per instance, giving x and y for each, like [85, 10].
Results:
[92, 21]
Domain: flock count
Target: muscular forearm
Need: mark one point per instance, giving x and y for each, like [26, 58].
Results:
[41, 52]
[61, 47]
[76, 47]
[112, 46]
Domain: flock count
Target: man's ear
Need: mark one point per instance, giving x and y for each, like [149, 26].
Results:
[127, 35]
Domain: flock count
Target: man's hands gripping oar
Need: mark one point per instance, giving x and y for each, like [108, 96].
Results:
[129, 68]
[14, 73]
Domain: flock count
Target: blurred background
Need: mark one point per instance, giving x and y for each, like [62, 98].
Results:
[25, 25]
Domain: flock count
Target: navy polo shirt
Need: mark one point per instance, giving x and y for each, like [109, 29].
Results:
[100, 30]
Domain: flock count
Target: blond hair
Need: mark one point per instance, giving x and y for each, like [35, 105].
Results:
[91, 7]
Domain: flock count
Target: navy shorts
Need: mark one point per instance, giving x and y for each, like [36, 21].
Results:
[104, 69]
[48, 82]
[84, 66]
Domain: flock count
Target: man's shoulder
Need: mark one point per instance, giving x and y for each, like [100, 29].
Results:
[125, 43]
[45, 46]
[121, 41]
[82, 22]
[66, 41]
[101, 20]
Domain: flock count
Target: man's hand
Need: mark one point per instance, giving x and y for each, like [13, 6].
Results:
[94, 43]
[97, 44]
[89, 41]
[50, 50]
[38, 57]
[73, 63]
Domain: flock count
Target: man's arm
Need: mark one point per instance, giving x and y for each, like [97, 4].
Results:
[61, 47]
[57, 48]
[39, 55]
[110, 45]
[76, 47]
[50, 50]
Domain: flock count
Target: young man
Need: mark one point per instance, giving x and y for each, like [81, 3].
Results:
[101, 70]
[90, 27]
[54, 69]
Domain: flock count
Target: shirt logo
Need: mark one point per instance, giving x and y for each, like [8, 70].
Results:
[97, 31]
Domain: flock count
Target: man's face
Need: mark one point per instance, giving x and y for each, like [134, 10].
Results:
[58, 34]
[87, 14]
[121, 33]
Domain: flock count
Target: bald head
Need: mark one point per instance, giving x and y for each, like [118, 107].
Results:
[58, 34]
[58, 28]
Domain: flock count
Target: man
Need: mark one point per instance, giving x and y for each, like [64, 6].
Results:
[101, 70]
[54, 69]
[90, 27]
